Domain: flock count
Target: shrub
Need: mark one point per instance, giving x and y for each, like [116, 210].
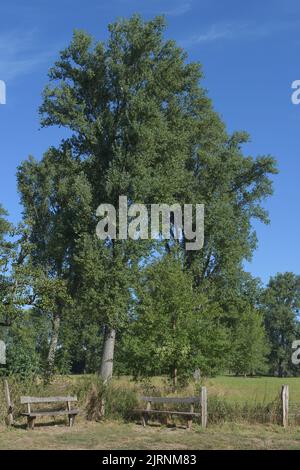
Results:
[92, 393]
[22, 360]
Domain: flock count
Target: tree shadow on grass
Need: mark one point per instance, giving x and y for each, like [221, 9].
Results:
[153, 424]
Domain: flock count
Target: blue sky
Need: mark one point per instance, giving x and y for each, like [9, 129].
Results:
[250, 57]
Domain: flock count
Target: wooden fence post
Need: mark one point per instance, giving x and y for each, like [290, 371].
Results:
[203, 407]
[285, 405]
[10, 418]
[102, 407]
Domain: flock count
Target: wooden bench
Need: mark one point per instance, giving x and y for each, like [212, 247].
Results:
[32, 415]
[200, 401]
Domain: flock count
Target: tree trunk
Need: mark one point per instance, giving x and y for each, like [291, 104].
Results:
[107, 362]
[174, 377]
[174, 371]
[280, 369]
[53, 346]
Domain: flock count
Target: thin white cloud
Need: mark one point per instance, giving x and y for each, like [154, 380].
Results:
[20, 53]
[214, 33]
[178, 10]
[227, 31]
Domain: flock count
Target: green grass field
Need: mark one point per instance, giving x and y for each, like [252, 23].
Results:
[237, 389]
[252, 389]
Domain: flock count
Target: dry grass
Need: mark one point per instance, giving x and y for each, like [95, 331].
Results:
[114, 435]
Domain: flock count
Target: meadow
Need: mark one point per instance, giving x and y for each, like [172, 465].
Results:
[237, 420]
[252, 389]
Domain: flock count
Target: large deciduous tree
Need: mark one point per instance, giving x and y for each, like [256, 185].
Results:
[139, 125]
[56, 198]
[5, 260]
[134, 108]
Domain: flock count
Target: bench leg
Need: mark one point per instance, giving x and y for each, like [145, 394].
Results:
[30, 423]
[144, 420]
[189, 424]
[166, 420]
[71, 420]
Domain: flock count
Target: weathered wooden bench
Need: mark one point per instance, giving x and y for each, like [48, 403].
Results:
[200, 401]
[32, 415]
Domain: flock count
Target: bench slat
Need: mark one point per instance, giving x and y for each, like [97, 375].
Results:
[26, 400]
[50, 413]
[169, 412]
[171, 399]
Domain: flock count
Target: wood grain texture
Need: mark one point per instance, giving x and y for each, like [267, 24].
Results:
[24, 400]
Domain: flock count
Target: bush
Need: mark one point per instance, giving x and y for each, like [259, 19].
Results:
[22, 360]
[92, 394]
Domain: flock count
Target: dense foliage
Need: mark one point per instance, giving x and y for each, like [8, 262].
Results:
[139, 124]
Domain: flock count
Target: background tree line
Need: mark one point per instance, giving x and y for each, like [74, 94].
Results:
[139, 124]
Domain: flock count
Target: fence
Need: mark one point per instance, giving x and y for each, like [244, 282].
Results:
[290, 408]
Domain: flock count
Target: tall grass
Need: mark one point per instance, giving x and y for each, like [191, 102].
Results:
[30, 387]
[93, 395]
[220, 410]
[121, 397]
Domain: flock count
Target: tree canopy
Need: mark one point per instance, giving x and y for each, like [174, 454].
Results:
[140, 124]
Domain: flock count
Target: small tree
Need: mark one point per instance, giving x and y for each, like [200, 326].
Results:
[249, 344]
[23, 359]
[173, 329]
[281, 306]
